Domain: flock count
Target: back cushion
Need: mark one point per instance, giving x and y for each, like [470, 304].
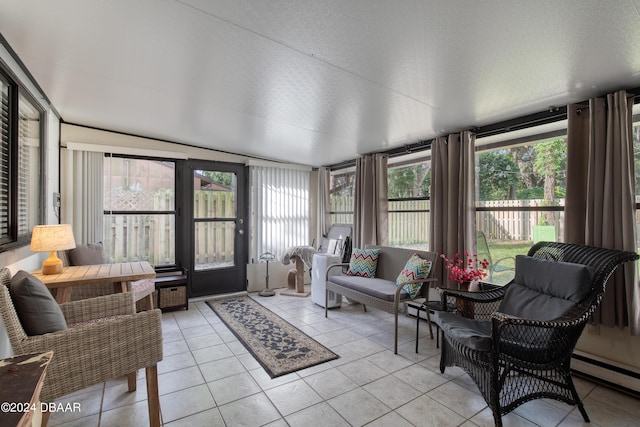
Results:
[86, 255]
[364, 262]
[544, 289]
[38, 312]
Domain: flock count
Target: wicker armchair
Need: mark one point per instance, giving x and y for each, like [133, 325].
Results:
[110, 341]
[514, 359]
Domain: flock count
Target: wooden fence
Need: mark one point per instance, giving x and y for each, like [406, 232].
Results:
[409, 220]
[152, 237]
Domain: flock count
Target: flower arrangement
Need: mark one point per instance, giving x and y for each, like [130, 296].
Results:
[465, 271]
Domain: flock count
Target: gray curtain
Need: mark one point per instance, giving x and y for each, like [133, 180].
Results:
[453, 226]
[371, 201]
[600, 200]
[322, 227]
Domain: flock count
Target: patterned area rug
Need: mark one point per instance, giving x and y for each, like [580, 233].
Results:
[280, 347]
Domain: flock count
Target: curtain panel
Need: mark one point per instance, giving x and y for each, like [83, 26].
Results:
[600, 200]
[324, 207]
[81, 188]
[453, 210]
[371, 201]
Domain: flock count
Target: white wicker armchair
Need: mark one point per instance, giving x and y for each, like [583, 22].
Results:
[111, 341]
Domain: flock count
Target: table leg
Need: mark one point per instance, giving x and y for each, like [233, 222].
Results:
[63, 295]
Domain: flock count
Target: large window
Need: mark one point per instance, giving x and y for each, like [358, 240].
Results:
[408, 189]
[21, 165]
[519, 197]
[341, 190]
[139, 210]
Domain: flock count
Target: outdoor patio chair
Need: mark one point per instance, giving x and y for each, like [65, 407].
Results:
[103, 338]
[484, 252]
[516, 341]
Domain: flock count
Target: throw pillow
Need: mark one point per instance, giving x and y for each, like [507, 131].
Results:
[38, 312]
[364, 262]
[416, 268]
[87, 255]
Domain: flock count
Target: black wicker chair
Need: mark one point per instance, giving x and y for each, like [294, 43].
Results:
[516, 341]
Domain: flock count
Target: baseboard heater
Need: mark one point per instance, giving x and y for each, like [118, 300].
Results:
[612, 374]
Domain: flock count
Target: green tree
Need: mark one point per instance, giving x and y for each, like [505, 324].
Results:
[498, 174]
[221, 178]
[409, 181]
[551, 162]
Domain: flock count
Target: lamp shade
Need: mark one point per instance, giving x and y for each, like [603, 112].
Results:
[53, 237]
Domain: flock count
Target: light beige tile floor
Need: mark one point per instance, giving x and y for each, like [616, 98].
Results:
[207, 378]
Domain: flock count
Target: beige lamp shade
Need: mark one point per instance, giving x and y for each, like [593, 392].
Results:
[52, 238]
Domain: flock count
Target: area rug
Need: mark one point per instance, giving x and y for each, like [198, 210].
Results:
[277, 345]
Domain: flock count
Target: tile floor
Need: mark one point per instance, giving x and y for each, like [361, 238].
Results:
[207, 378]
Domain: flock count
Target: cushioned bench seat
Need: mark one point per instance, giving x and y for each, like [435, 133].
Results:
[380, 291]
[375, 287]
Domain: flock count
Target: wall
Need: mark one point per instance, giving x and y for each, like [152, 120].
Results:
[22, 258]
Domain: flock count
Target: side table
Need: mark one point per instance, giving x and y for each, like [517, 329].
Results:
[21, 379]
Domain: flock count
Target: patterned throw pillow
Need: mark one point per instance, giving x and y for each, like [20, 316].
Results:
[415, 268]
[363, 262]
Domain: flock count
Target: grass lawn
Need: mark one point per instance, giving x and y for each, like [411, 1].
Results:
[499, 251]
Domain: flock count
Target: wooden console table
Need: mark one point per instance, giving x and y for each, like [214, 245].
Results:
[119, 274]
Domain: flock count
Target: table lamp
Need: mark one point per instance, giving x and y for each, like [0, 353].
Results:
[52, 238]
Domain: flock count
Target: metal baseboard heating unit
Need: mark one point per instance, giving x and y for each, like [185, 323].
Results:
[616, 375]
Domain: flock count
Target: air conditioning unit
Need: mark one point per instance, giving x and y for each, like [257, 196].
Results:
[319, 266]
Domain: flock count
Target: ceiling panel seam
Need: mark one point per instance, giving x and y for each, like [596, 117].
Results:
[308, 54]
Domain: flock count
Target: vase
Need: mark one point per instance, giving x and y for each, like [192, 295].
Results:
[466, 308]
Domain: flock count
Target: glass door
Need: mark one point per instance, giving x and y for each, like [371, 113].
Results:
[217, 239]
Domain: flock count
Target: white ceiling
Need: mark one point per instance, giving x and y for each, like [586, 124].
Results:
[317, 82]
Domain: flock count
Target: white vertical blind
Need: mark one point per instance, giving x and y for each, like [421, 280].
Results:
[279, 209]
[82, 194]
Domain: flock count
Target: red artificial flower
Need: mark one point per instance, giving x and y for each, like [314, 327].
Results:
[474, 269]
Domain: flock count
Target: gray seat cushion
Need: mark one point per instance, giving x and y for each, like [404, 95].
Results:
[38, 312]
[544, 289]
[379, 288]
[475, 334]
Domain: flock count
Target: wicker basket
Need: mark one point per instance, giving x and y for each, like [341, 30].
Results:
[172, 297]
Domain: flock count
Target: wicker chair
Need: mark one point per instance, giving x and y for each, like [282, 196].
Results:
[513, 359]
[110, 341]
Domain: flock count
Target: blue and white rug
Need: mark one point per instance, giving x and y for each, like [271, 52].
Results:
[277, 345]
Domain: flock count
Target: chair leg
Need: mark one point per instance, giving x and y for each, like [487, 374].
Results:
[131, 381]
[153, 398]
[418, 329]
[395, 334]
[45, 418]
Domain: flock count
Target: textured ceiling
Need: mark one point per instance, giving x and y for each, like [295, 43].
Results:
[318, 81]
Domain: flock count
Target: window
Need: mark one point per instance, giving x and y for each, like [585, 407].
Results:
[342, 187]
[279, 209]
[520, 188]
[21, 165]
[408, 188]
[139, 210]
